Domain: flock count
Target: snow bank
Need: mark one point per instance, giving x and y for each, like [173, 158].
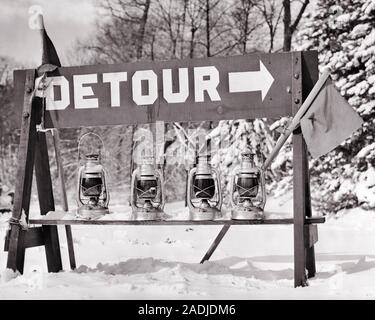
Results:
[252, 262]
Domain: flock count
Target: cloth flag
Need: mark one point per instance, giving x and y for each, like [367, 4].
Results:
[328, 121]
[50, 58]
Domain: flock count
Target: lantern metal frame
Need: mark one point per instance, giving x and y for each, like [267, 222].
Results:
[146, 212]
[213, 210]
[87, 210]
[254, 210]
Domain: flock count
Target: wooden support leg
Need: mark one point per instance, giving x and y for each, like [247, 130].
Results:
[16, 247]
[310, 262]
[310, 75]
[305, 74]
[52, 247]
[304, 236]
[46, 203]
[68, 228]
[310, 251]
[311, 234]
[299, 179]
[69, 239]
[299, 205]
[216, 242]
[304, 199]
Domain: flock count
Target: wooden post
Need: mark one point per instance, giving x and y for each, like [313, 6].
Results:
[46, 203]
[299, 178]
[26, 153]
[310, 76]
[304, 77]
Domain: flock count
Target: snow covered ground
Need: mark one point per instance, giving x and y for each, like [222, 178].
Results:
[252, 262]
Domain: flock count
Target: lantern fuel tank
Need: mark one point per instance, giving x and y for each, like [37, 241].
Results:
[247, 194]
[147, 192]
[92, 189]
[204, 196]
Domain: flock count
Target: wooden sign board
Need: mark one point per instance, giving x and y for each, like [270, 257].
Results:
[237, 87]
[252, 86]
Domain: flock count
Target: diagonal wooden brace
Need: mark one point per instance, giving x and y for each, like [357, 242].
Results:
[216, 242]
[26, 155]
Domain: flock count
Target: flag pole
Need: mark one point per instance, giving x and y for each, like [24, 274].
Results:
[41, 25]
[297, 118]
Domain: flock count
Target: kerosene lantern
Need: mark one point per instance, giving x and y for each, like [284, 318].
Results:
[147, 193]
[204, 196]
[248, 195]
[92, 194]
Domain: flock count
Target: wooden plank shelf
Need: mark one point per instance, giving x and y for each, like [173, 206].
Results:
[46, 221]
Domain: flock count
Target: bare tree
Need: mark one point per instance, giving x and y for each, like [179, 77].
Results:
[271, 12]
[121, 33]
[195, 12]
[219, 27]
[289, 27]
[208, 30]
[183, 23]
[142, 25]
[173, 17]
[245, 22]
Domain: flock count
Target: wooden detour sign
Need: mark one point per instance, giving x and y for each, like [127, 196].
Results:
[237, 87]
[240, 87]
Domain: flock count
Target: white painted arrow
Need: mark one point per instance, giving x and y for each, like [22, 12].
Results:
[251, 81]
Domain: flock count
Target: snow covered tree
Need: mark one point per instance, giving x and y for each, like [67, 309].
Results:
[8, 136]
[343, 32]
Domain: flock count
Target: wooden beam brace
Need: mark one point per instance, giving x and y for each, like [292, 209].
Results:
[75, 221]
[33, 237]
[69, 239]
[216, 242]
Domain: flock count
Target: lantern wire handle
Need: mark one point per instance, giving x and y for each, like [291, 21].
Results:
[85, 135]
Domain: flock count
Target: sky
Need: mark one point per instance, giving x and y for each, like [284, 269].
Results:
[66, 21]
